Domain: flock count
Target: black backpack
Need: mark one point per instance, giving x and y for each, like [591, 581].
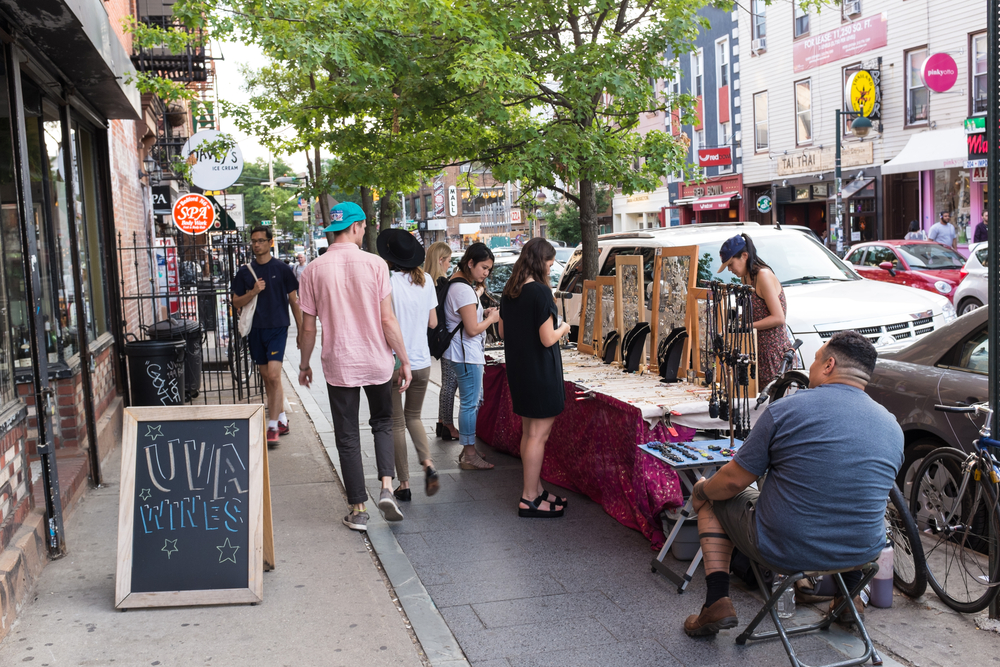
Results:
[439, 338]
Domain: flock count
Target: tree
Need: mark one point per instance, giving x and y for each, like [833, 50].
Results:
[562, 218]
[263, 203]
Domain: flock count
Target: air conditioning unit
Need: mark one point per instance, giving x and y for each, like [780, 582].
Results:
[852, 8]
[759, 44]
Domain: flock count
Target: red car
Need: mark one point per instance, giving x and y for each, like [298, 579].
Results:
[922, 264]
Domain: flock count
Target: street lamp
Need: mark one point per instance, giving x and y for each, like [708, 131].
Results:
[861, 126]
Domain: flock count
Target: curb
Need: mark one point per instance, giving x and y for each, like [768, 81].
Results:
[436, 638]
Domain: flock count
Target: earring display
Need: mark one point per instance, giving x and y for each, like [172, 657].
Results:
[731, 347]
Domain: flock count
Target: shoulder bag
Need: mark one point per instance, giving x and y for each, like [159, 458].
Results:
[246, 313]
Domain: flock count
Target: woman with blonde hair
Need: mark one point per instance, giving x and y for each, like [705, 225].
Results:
[436, 267]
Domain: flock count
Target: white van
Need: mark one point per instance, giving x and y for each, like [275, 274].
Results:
[824, 294]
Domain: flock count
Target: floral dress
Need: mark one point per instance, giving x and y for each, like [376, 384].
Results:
[771, 343]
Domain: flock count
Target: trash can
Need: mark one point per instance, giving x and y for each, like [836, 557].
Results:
[190, 332]
[155, 372]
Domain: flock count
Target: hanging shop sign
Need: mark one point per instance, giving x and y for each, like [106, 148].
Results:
[515, 216]
[715, 157]
[939, 72]
[194, 214]
[216, 160]
[864, 93]
[439, 197]
[161, 200]
[846, 41]
[764, 203]
[975, 139]
[452, 201]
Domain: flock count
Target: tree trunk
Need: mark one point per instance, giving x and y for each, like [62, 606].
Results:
[386, 211]
[588, 229]
[368, 206]
[323, 198]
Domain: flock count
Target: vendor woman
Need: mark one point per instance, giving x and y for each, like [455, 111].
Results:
[769, 308]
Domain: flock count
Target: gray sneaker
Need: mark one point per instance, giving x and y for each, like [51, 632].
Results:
[387, 503]
[357, 521]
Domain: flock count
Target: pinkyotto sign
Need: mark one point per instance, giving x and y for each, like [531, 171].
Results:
[939, 72]
[846, 41]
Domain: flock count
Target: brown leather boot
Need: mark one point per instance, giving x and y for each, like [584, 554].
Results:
[846, 618]
[720, 616]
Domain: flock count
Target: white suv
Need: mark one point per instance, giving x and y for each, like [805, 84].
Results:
[824, 294]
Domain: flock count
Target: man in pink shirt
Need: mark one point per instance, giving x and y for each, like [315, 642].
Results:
[349, 290]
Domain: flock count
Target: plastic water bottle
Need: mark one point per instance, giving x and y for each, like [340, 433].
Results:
[786, 603]
[882, 583]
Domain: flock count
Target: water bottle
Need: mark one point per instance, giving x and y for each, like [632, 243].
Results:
[786, 603]
[882, 583]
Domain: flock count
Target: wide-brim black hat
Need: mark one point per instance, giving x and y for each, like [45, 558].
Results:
[400, 248]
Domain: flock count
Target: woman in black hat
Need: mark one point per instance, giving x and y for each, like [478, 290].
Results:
[414, 301]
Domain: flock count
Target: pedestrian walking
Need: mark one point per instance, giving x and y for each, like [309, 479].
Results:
[300, 264]
[944, 232]
[739, 255]
[982, 232]
[414, 301]
[274, 286]
[350, 291]
[915, 233]
[462, 306]
[530, 328]
[436, 265]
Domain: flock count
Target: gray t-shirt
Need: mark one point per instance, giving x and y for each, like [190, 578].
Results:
[831, 455]
[942, 233]
[461, 294]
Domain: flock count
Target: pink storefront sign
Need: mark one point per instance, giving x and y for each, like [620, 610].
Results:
[939, 72]
[846, 41]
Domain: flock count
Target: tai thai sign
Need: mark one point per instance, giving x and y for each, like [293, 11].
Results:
[822, 159]
[844, 42]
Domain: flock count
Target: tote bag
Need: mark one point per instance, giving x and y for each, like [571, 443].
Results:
[246, 313]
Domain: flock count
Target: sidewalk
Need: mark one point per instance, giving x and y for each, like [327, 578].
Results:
[326, 603]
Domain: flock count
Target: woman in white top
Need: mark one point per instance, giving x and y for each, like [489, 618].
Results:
[915, 233]
[461, 305]
[414, 301]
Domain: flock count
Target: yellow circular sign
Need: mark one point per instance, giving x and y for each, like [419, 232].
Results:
[860, 92]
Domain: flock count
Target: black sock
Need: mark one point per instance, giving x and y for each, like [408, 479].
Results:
[851, 579]
[718, 587]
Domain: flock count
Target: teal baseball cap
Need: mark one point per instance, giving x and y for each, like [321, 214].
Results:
[343, 215]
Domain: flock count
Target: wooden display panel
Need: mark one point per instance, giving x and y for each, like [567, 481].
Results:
[605, 315]
[630, 296]
[675, 276]
[194, 516]
[588, 318]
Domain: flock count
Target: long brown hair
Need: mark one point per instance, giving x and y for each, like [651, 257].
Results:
[432, 262]
[530, 264]
[416, 273]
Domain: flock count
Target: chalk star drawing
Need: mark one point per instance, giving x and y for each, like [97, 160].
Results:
[145, 494]
[225, 549]
[232, 429]
[153, 433]
[170, 546]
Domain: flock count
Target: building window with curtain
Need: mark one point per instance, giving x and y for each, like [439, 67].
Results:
[801, 21]
[977, 69]
[803, 112]
[760, 121]
[917, 96]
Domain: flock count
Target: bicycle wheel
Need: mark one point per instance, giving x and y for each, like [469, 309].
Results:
[957, 532]
[789, 383]
[909, 571]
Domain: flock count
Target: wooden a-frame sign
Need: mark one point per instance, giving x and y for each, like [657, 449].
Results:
[194, 513]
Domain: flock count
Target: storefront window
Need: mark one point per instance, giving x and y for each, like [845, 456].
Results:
[11, 247]
[93, 281]
[951, 195]
[484, 199]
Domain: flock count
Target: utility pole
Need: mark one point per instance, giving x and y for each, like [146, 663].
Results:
[993, 207]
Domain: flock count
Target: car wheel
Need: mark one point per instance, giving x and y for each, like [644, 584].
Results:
[912, 457]
[968, 305]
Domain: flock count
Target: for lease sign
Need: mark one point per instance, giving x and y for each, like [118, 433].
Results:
[846, 41]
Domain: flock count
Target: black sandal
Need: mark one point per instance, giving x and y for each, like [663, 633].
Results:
[443, 432]
[532, 511]
[551, 498]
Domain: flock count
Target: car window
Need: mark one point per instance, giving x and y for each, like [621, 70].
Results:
[982, 255]
[648, 253]
[498, 277]
[572, 277]
[794, 258]
[856, 257]
[880, 253]
[930, 256]
[974, 354]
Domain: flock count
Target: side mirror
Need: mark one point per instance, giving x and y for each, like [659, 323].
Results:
[888, 267]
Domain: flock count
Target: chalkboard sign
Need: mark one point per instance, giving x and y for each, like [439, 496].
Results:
[194, 507]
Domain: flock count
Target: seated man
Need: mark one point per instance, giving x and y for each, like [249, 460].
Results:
[831, 454]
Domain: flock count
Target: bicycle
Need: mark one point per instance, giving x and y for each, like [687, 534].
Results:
[909, 573]
[954, 502]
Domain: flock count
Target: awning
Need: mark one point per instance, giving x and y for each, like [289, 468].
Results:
[851, 188]
[933, 149]
[716, 202]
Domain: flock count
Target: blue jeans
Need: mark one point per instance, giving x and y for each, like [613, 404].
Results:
[470, 388]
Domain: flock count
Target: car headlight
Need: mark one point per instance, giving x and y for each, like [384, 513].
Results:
[942, 286]
[948, 312]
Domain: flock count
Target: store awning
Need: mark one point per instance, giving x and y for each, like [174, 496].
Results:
[851, 188]
[933, 149]
[716, 202]
[682, 201]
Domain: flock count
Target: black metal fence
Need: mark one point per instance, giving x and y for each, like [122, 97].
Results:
[180, 290]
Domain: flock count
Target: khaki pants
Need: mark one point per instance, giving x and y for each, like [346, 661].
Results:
[408, 419]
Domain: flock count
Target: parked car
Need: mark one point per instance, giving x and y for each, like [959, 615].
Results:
[947, 367]
[502, 267]
[971, 292]
[922, 264]
[563, 254]
[824, 294]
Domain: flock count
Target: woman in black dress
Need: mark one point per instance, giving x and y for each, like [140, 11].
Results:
[531, 331]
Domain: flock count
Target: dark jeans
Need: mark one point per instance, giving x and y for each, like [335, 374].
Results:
[345, 404]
